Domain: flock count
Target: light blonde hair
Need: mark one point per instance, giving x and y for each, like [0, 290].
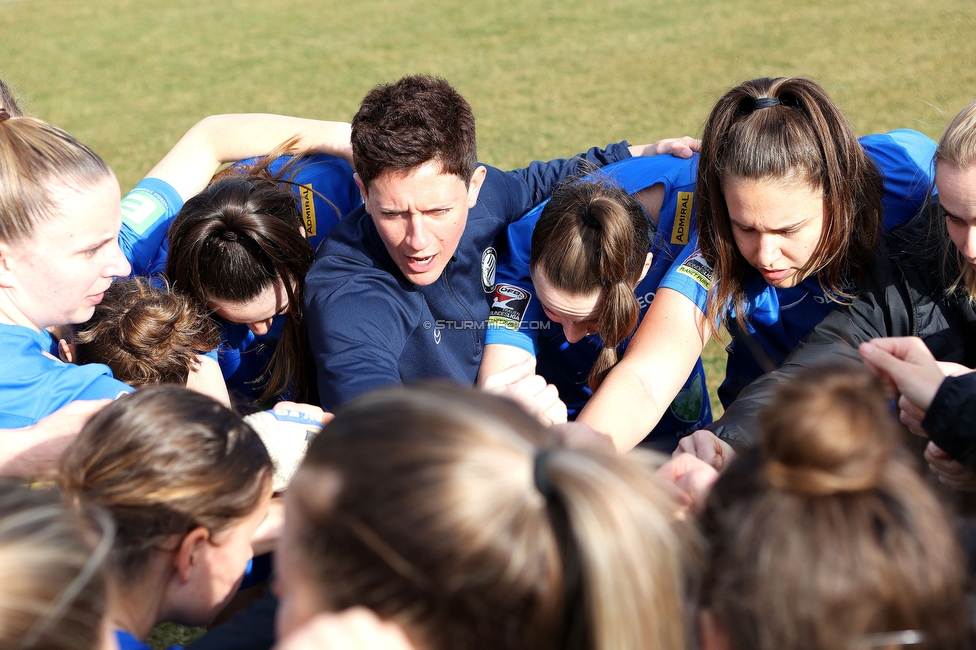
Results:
[52, 592]
[957, 147]
[36, 159]
[433, 507]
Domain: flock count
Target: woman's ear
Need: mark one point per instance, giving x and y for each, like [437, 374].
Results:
[711, 634]
[647, 266]
[189, 554]
[6, 278]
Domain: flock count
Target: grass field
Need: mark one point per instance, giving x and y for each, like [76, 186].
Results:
[545, 78]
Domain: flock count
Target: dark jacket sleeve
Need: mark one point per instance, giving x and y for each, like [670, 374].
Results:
[541, 178]
[951, 419]
[881, 309]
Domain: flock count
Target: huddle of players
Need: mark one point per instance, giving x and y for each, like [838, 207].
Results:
[403, 288]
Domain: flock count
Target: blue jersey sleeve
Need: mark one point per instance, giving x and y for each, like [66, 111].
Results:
[147, 212]
[541, 178]
[905, 159]
[324, 188]
[690, 275]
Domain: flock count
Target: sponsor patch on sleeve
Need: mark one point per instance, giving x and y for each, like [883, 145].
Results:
[308, 209]
[141, 209]
[696, 268]
[508, 307]
[682, 218]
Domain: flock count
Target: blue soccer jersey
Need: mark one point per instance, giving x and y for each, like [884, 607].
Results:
[778, 318]
[35, 383]
[323, 186]
[517, 317]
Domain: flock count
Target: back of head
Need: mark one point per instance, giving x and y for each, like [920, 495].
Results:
[38, 160]
[415, 120]
[786, 130]
[235, 240]
[826, 535]
[592, 236]
[146, 334]
[52, 592]
[450, 511]
[165, 460]
[8, 100]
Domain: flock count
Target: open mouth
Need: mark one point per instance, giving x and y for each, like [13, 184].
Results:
[420, 264]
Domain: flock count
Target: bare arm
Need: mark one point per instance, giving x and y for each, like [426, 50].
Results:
[663, 352]
[220, 139]
[205, 377]
[33, 452]
[498, 357]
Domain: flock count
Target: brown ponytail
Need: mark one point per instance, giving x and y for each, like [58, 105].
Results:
[591, 237]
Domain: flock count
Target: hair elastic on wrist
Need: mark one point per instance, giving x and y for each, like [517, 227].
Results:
[765, 102]
[540, 473]
[589, 220]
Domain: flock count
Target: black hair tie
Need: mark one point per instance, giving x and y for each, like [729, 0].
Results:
[764, 102]
[540, 473]
[589, 220]
[4, 115]
[228, 235]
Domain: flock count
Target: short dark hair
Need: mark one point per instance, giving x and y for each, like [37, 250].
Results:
[403, 125]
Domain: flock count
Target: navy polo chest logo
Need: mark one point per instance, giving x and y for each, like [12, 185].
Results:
[489, 260]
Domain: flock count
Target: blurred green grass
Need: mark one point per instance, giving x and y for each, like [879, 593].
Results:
[545, 78]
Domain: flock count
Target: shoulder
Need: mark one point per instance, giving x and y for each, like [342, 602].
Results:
[148, 202]
[36, 384]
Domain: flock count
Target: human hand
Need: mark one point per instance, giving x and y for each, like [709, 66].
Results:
[905, 366]
[692, 477]
[310, 410]
[353, 629]
[530, 390]
[950, 472]
[705, 445]
[911, 416]
[682, 147]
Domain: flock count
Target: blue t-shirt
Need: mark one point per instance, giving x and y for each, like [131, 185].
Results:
[778, 318]
[324, 187]
[517, 317]
[35, 383]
